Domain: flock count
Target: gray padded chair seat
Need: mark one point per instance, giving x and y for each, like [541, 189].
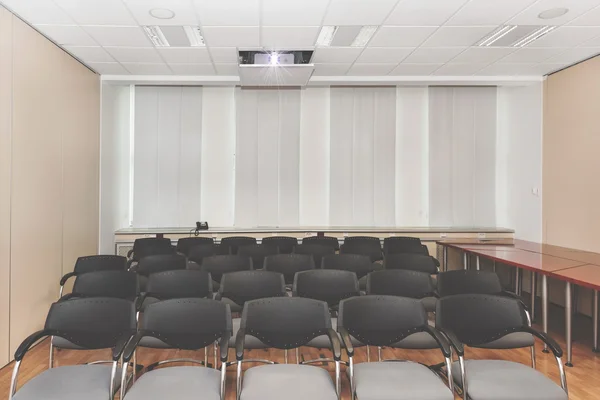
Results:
[419, 340]
[511, 341]
[398, 380]
[74, 382]
[181, 383]
[429, 303]
[250, 343]
[287, 381]
[506, 380]
[154, 343]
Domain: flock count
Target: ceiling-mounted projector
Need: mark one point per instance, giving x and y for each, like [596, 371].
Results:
[275, 67]
[275, 57]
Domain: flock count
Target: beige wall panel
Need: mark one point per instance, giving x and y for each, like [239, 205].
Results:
[5, 163]
[571, 190]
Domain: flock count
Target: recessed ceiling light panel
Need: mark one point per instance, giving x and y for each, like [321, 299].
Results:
[162, 13]
[497, 35]
[194, 36]
[363, 37]
[553, 13]
[326, 35]
[535, 35]
[156, 36]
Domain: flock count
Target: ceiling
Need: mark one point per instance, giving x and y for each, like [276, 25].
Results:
[434, 38]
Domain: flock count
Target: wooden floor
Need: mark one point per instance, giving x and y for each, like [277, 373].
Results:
[583, 379]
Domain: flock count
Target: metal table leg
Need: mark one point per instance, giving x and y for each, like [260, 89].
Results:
[477, 263]
[595, 321]
[545, 308]
[568, 322]
[445, 257]
[517, 281]
[533, 294]
[465, 258]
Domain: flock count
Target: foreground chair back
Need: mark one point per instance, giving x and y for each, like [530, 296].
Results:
[178, 284]
[403, 283]
[289, 264]
[91, 324]
[114, 284]
[257, 252]
[361, 265]
[217, 266]
[369, 248]
[399, 247]
[285, 244]
[478, 320]
[384, 321]
[157, 263]
[87, 264]
[330, 286]
[184, 324]
[185, 245]
[323, 240]
[232, 243]
[200, 251]
[237, 288]
[317, 251]
[408, 241]
[413, 262]
[145, 247]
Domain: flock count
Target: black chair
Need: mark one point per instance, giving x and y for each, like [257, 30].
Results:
[412, 262]
[315, 250]
[198, 252]
[158, 263]
[285, 244]
[217, 266]
[477, 320]
[91, 324]
[369, 248]
[186, 324]
[383, 321]
[362, 239]
[399, 247]
[405, 240]
[231, 243]
[403, 283]
[361, 265]
[145, 247]
[322, 240]
[185, 245]
[257, 252]
[92, 264]
[178, 284]
[286, 323]
[289, 264]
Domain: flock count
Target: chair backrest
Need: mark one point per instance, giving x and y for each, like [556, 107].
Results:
[361, 265]
[219, 265]
[399, 282]
[199, 252]
[100, 263]
[399, 246]
[317, 251]
[362, 239]
[184, 245]
[285, 322]
[185, 283]
[289, 264]
[92, 323]
[322, 240]
[382, 320]
[411, 261]
[408, 240]
[114, 284]
[188, 324]
[285, 244]
[478, 319]
[243, 286]
[330, 286]
[257, 252]
[145, 247]
[233, 242]
[159, 263]
[468, 282]
[371, 249]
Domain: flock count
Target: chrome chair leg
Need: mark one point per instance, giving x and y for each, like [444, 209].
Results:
[297, 356]
[215, 355]
[51, 357]
[533, 359]
[285, 356]
[378, 353]
[368, 354]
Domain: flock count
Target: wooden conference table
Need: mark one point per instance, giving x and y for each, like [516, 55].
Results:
[574, 267]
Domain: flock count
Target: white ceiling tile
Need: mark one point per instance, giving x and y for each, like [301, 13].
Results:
[358, 12]
[399, 36]
[228, 12]
[458, 36]
[338, 69]
[505, 69]
[231, 36]
[148, 69]
[459, 69]
[134, 54]
[545, 68]
[590, 18]
[89, 54]
[185, 14]
[97, 12]
[529, 16]
[424, 12]
[488, 12]
[192, 69]
[293, 13]
[384, 55]
[483, 55]
[571, 56]
[371, 69]
[109, 68]
[67, 35]
[567, 36]
[532, 55]
[230, 69]
[119, 36]
[415, 69]
[433, 55]
[224, 55]
[39, 12]
[278, 37]
[182, 55]
[326, 55]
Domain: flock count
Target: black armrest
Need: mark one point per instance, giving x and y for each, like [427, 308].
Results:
[29, 342]
[131, 345]
[129, 253]
[224, 347]
[70, 296]
[346, 340]
[440, 339]
[240, 340]
[454, 342]
[66, 277]
[120, 346]
[139, 301]
[218, 296]
[129, 267]
[512, 295]
[552, 344]
[336, 347]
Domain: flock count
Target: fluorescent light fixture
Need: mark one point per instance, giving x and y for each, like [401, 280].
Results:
[538, 33]
[194, 36]
[326, 35]
[363, 37]
[497, 35]
[156, 36]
